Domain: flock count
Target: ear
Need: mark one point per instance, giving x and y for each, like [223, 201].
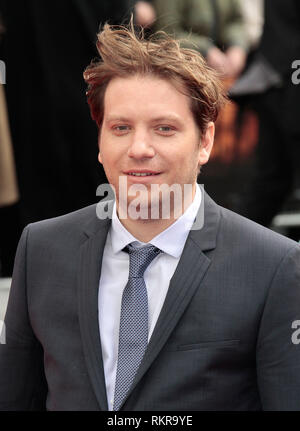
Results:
[206, 144]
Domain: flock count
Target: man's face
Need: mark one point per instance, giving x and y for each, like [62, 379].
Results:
[148, 127]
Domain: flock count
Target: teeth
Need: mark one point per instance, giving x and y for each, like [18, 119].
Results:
[140, 175]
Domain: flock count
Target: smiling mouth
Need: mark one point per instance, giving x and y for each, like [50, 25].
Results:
[134, 174]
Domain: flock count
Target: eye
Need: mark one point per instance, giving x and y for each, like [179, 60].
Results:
[122, 129]
[166, 130]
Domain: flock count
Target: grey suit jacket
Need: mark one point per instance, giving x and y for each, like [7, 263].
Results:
[223, 340]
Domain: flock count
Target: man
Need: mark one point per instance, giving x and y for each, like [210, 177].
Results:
[139, 310]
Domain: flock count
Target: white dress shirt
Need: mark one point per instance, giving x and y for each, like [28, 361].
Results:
[114, 277]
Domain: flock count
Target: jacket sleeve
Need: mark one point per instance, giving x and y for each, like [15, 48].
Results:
[234, 31]
[22, 380]
[278, 344]
[173, 17]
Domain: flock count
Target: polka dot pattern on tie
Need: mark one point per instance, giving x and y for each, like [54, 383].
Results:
[133, 335]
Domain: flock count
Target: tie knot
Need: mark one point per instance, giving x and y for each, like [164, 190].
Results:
[140, 258]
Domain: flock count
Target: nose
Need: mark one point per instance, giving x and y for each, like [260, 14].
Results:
[140, 145]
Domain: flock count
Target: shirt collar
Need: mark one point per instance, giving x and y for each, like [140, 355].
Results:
[170, 241]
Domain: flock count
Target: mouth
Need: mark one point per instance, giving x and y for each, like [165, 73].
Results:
[137, 174]
[142, 175]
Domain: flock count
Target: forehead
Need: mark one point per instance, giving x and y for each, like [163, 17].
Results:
[145, 95]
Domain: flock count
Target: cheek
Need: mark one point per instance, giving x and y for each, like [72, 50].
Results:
[189, 159]
[108, 153]
[111, 149]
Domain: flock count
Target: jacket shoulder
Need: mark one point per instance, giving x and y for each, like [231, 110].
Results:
[71, 220]
[253, 235]
[72, 226]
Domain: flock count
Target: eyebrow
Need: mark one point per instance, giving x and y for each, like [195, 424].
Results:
[168, 117]
[117, 118]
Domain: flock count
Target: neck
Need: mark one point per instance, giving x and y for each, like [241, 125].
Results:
[146, 230]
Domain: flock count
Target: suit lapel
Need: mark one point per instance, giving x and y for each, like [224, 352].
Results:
[89, 273]
[186, 280]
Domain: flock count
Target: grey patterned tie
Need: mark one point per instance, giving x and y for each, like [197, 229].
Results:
[133, 335]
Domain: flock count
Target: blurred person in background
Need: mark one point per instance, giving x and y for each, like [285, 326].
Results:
[46, 48]
[276, 97]
[214, 27]
[9, 195]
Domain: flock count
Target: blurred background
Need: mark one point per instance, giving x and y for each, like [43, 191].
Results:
[48, 143]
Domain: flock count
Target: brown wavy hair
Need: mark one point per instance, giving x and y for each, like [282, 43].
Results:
[125, 53]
